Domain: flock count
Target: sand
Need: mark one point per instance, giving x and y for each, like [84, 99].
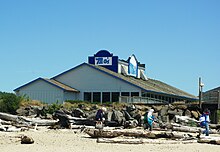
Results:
[74, 141]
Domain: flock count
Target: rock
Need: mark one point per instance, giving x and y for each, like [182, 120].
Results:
[26, 140]
[183, 107]
[195, 114]
[78, 113]
[172, 107]
[118, 117]
[157, 108]
[188, 113]
[165, 119]
[164, 110]
[87, 109]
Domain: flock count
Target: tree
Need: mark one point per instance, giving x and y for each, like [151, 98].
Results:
[9, 102]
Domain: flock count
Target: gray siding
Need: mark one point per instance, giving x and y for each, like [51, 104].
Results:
[71, 96]
[88, 79]
[42, 91]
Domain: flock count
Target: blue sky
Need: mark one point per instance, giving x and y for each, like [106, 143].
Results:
[178, 40]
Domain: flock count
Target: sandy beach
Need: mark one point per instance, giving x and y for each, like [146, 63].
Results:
[72, 140]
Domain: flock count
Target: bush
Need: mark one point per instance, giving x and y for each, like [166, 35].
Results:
[54, 107]
[9, 102]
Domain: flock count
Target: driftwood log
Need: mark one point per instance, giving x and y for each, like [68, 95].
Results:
[120, 141]
[181, 128]
[27, 121]
[96, 133]
[209, 140]
[142, 141]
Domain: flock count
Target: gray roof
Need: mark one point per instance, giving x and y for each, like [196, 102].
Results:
[52, 82]
[61, 85]
[150, 85]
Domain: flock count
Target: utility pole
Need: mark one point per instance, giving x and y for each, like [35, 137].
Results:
[218, 99]
[200, 92]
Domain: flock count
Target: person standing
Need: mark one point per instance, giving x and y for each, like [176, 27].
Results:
[204, 121]
[149, 119]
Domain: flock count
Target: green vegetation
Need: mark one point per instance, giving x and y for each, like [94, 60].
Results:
[54, 107]
[9, 102]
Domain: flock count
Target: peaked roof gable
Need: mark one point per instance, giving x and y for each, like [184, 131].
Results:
[51, 82]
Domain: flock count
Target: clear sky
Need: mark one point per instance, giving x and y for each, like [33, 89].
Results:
[178, 40]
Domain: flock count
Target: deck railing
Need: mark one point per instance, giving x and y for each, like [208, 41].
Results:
[145, 100]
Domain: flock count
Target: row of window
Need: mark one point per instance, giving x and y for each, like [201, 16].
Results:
[114, 96]
[106, 96]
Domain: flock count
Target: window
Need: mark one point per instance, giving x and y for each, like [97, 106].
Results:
[115, 96]
[96, 97]
[105, 96]
[125, 94]
[87, 96]
[135, 94]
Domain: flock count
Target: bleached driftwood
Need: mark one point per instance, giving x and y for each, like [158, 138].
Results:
[181, 128]
[209, 140]
[120, 141]
[96, 133]
[142, 141]
[214, 126]
[27, 121]
[106, 133]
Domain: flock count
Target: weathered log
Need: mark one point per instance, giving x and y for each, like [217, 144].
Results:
[214, 126]
[96, 133]
[120, 141]
[142, 141]
[209, 140]
[9, 128]
[186, 129]
[8, 117]
[3, 122]
[181, 128]
[25, 120]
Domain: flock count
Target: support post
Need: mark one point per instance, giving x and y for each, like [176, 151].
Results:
[200, 94]
[218, 99]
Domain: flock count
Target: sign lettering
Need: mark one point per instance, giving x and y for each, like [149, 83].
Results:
[103, 60]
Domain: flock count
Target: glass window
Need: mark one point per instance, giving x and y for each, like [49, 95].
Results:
[97, 97]
[115, 96]
[87, 96]
[105, 96]
[135, 94]
[125, 94]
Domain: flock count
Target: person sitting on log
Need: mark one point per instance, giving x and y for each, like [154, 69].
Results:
[100, 118]
[149, 119]
[204, 121]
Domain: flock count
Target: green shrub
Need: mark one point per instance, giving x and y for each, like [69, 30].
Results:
[54, 107]
[9, 102]
[77, 101]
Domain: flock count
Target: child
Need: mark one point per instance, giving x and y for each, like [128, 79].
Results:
[204, 121]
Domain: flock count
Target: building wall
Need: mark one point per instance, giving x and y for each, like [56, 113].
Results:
[42, 91]
[88, 79]
[71, 96]
[212, 96]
